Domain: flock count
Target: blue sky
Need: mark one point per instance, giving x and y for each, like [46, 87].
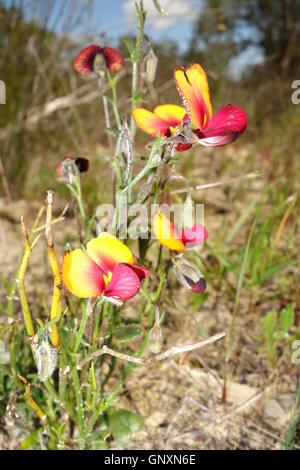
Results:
[115, 18]
[119, 17]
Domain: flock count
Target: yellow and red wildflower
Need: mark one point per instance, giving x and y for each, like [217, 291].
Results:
[105, 269]
[207, 129]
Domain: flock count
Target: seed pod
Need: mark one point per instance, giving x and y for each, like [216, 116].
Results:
[188, 276]
[155, 334]
[46, 357]
[155, 339]
[151, 65]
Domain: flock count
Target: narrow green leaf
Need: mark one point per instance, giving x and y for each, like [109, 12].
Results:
[273, 270]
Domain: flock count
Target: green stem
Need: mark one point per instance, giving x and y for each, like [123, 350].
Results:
[136, 56]
[79, 402]
[86, 311]
[146, 295]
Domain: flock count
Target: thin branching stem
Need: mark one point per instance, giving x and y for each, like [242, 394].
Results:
[159, 357]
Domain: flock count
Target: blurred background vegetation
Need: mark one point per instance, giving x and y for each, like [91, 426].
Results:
[50, 111]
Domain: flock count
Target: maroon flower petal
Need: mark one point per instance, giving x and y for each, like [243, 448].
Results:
[198, 287]
[224, 127]
[123, 285]
[182, 147]
[85, 59]
[114, 59]
[141, 272]
[61, 168]
[82, 164]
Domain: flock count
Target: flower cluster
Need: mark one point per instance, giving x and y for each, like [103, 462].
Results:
[195, 122]
[107, 266]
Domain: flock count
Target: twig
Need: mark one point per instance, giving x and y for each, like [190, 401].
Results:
[159, 357]
[54, 221]
[218, 183]
[61, 103]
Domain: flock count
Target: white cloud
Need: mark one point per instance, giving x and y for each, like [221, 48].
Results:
[178, 10]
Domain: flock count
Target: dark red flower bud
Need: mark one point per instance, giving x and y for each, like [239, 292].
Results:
[84, 62]
[69, 167]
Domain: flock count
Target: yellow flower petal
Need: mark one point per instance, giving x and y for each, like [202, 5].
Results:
[166, 233]
[107, 251]
[193, 87]
[81, 275]
[150, 122]
[171, 113]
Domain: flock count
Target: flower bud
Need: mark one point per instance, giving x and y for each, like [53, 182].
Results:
[96, 59]
[188, 276]
[70, 167]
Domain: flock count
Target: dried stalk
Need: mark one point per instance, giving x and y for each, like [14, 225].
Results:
[56, 299]
[218, 183]
[159, 357]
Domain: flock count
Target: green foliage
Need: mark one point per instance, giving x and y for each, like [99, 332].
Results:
[123, 423]
[275, 329]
